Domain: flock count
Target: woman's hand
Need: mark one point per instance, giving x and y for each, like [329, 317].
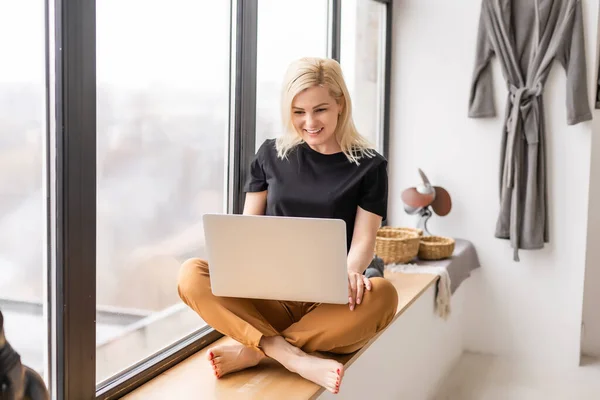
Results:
[357, 283]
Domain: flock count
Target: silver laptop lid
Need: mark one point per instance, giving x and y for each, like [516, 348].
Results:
[278, 258]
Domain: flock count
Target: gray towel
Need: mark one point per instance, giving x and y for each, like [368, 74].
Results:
[375, 269]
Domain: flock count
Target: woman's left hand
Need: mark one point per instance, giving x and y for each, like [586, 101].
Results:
[357, 283]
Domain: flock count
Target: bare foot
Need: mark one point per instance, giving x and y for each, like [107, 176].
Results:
[323, 372]
[227, 359]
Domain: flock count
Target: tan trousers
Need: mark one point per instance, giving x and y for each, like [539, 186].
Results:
[309, 326]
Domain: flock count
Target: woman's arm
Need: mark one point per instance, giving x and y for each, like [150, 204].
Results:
[362, 247]
[255, 203]
[361, 253]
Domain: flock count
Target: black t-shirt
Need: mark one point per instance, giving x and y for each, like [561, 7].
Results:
[310, 184]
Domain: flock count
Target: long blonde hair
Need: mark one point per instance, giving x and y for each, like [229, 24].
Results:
[308, 72]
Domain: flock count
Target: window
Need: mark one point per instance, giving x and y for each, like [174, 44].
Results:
[362, 57]
[162, 129]
[22, 183]
[122, 122]
[286, 31]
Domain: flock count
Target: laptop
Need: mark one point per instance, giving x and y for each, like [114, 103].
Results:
[277, 258]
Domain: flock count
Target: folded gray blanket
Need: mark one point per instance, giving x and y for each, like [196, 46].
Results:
[375, 269]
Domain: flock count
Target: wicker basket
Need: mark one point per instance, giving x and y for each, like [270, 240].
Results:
[435, 247]
[403, 229]
[396, 245]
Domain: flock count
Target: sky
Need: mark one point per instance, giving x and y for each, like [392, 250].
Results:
[22, 41]
[187, 43]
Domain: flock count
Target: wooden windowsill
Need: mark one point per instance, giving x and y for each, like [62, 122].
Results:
[194, 379]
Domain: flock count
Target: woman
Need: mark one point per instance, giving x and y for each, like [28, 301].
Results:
[320, 167]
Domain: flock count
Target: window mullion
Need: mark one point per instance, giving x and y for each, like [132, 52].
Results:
[243, 98]
[387, 88]
[72, 189]
[334, 29]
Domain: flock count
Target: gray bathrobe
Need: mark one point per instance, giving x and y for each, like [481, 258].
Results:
[526, 36]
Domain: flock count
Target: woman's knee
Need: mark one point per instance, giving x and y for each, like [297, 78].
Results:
[193, 275]
[385, 295]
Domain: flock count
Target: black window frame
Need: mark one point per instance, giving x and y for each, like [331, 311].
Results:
[71, 184]
[71, 180]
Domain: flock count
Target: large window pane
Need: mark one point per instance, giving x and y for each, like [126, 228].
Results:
[22, 178]
[362, 56]
[163, 95]
[286, 31]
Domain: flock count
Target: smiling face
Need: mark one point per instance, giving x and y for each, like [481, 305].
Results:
[315, 116]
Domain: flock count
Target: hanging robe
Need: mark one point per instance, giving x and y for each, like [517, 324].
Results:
[526, 36]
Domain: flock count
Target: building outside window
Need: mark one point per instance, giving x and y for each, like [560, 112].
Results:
[23, 221]
[162, 129]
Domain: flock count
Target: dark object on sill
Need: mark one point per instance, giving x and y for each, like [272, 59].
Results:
[18, 382]
[375, 269]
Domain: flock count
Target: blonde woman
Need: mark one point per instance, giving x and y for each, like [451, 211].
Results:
[320, 167]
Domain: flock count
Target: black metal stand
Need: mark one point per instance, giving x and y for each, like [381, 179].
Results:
[424, 216]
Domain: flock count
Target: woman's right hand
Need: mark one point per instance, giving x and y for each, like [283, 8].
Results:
[357, 283]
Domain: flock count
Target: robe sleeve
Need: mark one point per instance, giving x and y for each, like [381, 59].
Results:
[481, 98]
[571, 55]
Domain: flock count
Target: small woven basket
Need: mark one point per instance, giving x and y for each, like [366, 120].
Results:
[396, 245]
[403, 229]
[435, 247]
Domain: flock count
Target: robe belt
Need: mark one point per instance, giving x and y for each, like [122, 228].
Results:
[521, 99]
[521, 103]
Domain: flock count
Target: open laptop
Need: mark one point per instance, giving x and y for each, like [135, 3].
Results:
[277, 258]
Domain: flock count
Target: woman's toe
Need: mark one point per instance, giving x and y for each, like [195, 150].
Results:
[331, 384]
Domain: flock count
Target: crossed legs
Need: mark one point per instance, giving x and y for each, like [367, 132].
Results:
[286, 331]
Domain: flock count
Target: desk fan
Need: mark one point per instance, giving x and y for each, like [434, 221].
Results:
[424, 200]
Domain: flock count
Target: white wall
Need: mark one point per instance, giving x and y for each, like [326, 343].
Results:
[590, 336]
[411, 358]
[529, 310]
